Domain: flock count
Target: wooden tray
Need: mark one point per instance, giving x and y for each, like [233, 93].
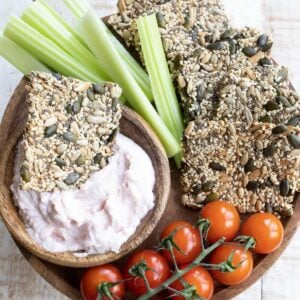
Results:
[67, 279]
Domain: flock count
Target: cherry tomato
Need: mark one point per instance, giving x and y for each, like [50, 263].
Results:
[198, 277]
[224, 220]
[93, 277]
[159, 271]
[242, 272]
[187, 239]
[266, 229]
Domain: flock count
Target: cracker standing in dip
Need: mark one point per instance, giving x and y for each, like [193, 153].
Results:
[79, 184]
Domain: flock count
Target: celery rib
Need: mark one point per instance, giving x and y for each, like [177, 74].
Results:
[79, 8]
[21, 59]
[46, 51]
[44, 22]
[162, 86]
[43, 5]
[95, 34]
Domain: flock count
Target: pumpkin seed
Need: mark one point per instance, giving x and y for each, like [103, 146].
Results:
[25, 174]
[269, 150]
[266, 119]
[232, 47]
[294, 140]
[249, 166]
[228, 34]
[50, 131]
[265, 62]
[208, 186]
[70, 136]
[212, 197]
[279, 129]
[293, 121]
[80, 160]
[72, 178]
[282, 75]
[252, 185]
[113, 135]
[99, 88]
[200, 92]
[161, 21]
[271, 105]
[76, 106]
[57, 76]
[177, 61]
[69, 109]
[216, 46]
[217, 167]
[197, 52]
[262, 40]
[91, 94]
[267, 47]
[284, 187]
[197, 189]
[97, 158]
[249, 51]
[60, 162]
[283, 100]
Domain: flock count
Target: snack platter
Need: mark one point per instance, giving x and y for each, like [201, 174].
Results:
[224, 113]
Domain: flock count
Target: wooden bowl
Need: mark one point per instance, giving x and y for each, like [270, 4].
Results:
[132, 126]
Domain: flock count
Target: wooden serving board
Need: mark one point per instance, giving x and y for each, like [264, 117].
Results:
[67, 280]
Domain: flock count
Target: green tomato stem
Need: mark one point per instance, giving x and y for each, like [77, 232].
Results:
[179, 273]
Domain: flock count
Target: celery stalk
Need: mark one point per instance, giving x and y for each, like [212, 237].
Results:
[164, 92]
[47, 25]
[17, 56]
[94, 32]
[79, 8]
[46, 51]
[43, 5]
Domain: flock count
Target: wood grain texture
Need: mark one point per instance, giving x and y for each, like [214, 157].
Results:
[282, 19]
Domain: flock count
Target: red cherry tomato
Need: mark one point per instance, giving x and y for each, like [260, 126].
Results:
[224, 220]
[187, 239]
[198, 277]
[159, 271]
[93, 277]
[242, 272]
[266, 229]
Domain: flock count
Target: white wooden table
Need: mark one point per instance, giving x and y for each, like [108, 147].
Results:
[281, 18]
